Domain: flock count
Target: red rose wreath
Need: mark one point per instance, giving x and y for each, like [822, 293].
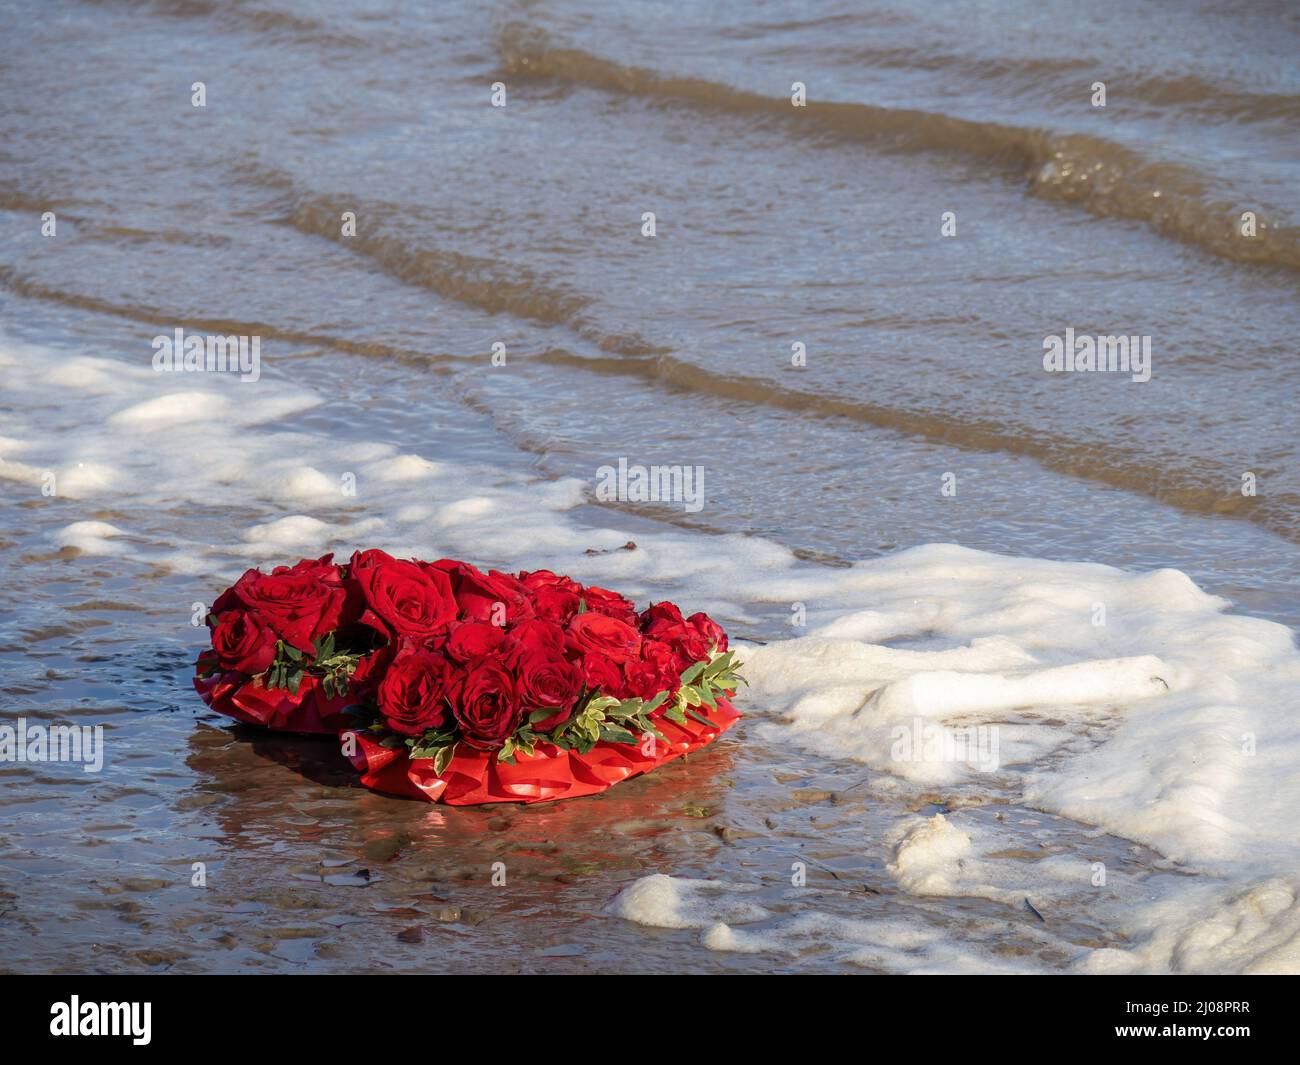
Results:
[453, 685]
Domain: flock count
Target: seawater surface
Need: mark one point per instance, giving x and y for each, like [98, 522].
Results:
[775, 226]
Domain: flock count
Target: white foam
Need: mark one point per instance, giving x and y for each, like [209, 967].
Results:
[404, 468]
[892, 945]
[1253, 931]
[928, 858]
[91, 538]
[660, 901]
[1175, 687]
[175, 408]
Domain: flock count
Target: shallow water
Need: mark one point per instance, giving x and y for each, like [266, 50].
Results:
[522, 225]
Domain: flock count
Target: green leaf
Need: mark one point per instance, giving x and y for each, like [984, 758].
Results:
[723, 662]
[614, 734]
[691, 672]
[443, 758]
[629, 711]
[543, 714]
[701, 719]
[654, 703]
[522, 741]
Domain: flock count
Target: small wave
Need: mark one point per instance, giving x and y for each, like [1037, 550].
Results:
[1106, 179]
[1186, 489]
[238, 15]
[1034, 78]
[35, 290]
[486, 284]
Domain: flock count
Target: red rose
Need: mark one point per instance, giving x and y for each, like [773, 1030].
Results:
[689, 646]
[298, 605]
[544, 578]
[603, 601]
[412, 695]
[474, 639]
[243, 643]
[230, 599]
[486, 704]
[690, 640]
[596, 633]
[348, 629]
[494, 597]
[323, 567]
[655, 671]
[598, 672]
[546, 683]
[404, 598]
[368, 560]
[555, 604]
[536, 636]
[709, 630]
[661, 618]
